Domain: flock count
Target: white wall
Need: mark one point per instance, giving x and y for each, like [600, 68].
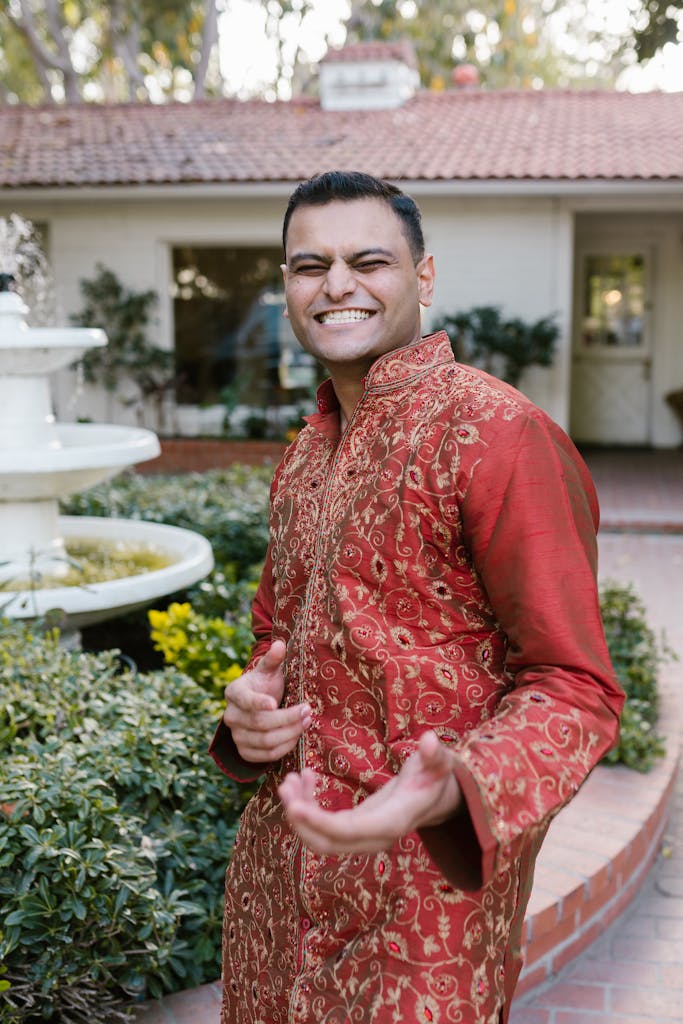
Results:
[135, 239]
[512, 253]
[507, 251]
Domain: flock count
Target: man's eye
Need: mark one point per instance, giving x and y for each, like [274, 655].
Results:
[370, 265]
[310, 268]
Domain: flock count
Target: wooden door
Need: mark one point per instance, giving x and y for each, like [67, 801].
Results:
[611, 388]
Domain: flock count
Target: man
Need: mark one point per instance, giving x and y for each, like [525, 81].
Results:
[429, 683]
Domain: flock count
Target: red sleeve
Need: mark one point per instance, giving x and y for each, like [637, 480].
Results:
[530, 517]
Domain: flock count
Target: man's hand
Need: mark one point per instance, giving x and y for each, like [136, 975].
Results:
[261, 729]
[424, 792]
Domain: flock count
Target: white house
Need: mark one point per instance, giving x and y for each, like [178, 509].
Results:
[542, 202]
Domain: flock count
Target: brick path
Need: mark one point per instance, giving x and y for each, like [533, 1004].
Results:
[634, 973]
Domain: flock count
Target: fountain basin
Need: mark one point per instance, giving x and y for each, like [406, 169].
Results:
[46, 348]
[191, 560]
[84, 454]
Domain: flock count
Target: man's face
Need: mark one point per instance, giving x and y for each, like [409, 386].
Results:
[353, 291]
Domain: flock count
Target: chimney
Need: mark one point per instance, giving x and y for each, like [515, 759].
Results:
[368, 76]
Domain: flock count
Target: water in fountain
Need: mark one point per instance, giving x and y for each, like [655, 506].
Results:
[22, 258]
[41, 461]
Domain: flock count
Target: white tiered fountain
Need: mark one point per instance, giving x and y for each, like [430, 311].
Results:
[42, 461]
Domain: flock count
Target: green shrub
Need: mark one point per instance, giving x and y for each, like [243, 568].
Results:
[506, 348]
[115, 830]
[221, 593]
[637, 657]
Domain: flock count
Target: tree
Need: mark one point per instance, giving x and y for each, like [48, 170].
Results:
[120, 50]
[661, 23]
[507, 40]
[520, 43]
[108, 49]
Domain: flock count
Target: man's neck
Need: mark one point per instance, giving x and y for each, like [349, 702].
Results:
[349, 393]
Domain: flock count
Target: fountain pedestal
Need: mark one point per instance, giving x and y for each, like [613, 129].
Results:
[41, 461]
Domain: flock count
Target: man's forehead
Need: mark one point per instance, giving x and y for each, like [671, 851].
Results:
[357, 224]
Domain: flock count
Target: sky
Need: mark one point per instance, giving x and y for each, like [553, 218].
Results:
[247, 55]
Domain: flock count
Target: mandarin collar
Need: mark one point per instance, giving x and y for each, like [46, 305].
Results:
[394, 368]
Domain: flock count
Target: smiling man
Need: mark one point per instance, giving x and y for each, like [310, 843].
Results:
[429, 683]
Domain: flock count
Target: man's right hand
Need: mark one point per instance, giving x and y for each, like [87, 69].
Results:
[261, 729]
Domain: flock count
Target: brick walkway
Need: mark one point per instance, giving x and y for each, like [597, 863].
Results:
[633, 974]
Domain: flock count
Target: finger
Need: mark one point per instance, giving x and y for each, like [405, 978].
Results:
[270, 741]
[349, 831]
[309, 783]
[333, 832]
[258, 755]
[246, 698]
[267, 719]
[291, 788]
[435, 755]
[273, 659]
[299, 786]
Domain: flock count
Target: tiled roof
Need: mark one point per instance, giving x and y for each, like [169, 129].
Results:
[460, 136]
[401, 49]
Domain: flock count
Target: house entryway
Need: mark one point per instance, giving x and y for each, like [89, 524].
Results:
[611, 387]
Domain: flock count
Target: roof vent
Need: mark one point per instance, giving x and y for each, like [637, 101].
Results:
[368, 76]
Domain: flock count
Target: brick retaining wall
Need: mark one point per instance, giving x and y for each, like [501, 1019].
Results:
[199, 454]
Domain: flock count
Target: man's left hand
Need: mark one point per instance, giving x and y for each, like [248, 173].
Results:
[424, 792]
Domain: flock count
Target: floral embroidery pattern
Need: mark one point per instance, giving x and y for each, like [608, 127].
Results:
[390, 586]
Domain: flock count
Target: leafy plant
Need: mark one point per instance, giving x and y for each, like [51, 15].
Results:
[129, 356]
[505, 348]
[115, 829]
[637, 657]
[209, 650]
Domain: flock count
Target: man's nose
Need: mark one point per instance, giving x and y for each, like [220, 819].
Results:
[339, 280]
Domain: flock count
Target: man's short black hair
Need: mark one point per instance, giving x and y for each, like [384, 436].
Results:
[347, 185]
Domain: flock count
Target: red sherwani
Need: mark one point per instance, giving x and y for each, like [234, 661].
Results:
[431, 568]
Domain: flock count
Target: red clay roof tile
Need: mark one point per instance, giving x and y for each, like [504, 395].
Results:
[400, 49]
[449, 136]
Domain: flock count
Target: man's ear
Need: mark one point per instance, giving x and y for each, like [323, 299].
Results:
[425, 279]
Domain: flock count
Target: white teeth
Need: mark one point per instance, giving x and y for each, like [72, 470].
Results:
[343, 316]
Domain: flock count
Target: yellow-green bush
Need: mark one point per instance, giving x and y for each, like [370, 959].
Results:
[209, 650]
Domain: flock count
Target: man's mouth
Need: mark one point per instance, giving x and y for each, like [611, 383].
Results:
[343, 316]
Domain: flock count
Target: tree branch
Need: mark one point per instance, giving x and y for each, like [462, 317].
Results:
[43, 57]
[27, 27]
[125, 44]
[209, 40]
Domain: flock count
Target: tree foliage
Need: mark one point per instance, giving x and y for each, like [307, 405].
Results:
[505, 39]
[108, 49]
[661, 23]
[119, 50]
[520, 43]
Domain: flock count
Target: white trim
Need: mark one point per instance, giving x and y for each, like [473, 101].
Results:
[583, 189]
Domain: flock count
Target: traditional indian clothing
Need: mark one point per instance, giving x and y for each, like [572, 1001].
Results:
[432, 567]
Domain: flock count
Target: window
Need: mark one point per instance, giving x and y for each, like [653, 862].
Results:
[613, 301]
[232, 343]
